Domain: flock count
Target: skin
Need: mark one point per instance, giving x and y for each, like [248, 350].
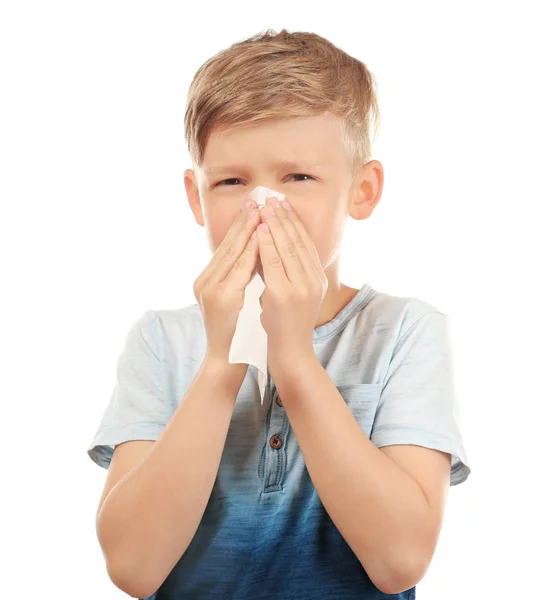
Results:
[397, 491]
[323, 196]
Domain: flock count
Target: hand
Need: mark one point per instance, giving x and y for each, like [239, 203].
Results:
[296, 284]
[220, 288]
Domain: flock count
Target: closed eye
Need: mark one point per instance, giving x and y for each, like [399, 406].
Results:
[293, 175]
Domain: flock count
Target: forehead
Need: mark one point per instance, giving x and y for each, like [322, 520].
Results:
[287, 143]
[214, 168]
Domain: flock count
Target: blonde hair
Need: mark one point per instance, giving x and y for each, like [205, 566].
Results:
[286, 74]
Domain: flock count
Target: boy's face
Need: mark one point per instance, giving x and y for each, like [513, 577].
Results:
[318, 185]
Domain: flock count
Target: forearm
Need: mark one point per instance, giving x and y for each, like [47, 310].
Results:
[150, 517]
[378, 508]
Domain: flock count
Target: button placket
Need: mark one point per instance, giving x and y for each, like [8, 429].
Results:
[274, 451]
[276, 441]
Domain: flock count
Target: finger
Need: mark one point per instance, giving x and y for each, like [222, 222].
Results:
[306, 259]
[241, 272]
[286, 248]
[233, 243]
[303, 233]
[273, 268]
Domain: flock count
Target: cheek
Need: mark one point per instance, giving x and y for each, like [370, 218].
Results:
[322, 228]
[217, 226]
[326, 233]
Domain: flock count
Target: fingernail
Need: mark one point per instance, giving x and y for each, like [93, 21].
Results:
[275, 202]
[254, 235]
[286, 205]
[263, 228]
[247, 204]
[252, 213]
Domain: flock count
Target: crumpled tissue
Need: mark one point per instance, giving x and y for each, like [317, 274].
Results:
[249, 343]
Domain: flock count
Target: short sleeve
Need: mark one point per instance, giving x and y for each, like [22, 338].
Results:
[418, 404]
[136, 409]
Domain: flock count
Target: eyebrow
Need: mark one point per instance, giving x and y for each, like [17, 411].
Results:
[284, 164]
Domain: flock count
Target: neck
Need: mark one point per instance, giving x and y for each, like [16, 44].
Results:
[336, 298]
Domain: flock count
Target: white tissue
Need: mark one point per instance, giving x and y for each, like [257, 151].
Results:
[249, 341]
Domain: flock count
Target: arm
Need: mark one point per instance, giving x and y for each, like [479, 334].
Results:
[149, 518]
[378, 507]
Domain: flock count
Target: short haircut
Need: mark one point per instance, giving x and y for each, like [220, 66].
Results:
[287, 74]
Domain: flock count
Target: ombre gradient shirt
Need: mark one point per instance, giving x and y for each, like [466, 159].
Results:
[265, 532]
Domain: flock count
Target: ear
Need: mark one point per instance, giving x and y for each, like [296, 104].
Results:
[367, 190]
[193, 195]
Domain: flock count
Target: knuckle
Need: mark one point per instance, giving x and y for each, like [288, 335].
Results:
[282, 298]
[202, 294]
[222, 299]
[275, 262]
[302, 294]
[228, 251]
[293, 299]
[225, 296]
[198, 285]
[299, 242]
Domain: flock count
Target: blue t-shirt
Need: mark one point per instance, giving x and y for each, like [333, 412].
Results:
[265, 532]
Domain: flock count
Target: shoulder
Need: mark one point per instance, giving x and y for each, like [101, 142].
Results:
[179, 332]
[396, 315]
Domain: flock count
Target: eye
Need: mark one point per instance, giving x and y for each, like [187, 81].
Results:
[236, 179]
[224, 181]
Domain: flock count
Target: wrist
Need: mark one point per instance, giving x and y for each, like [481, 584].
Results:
[220, 368]
[293, 364]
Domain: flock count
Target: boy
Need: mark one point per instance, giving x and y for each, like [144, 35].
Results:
[336, 486]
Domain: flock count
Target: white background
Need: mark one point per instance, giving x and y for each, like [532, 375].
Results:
[96, 229]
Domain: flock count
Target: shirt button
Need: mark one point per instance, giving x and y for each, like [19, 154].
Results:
[276, 442]
[279, 401]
